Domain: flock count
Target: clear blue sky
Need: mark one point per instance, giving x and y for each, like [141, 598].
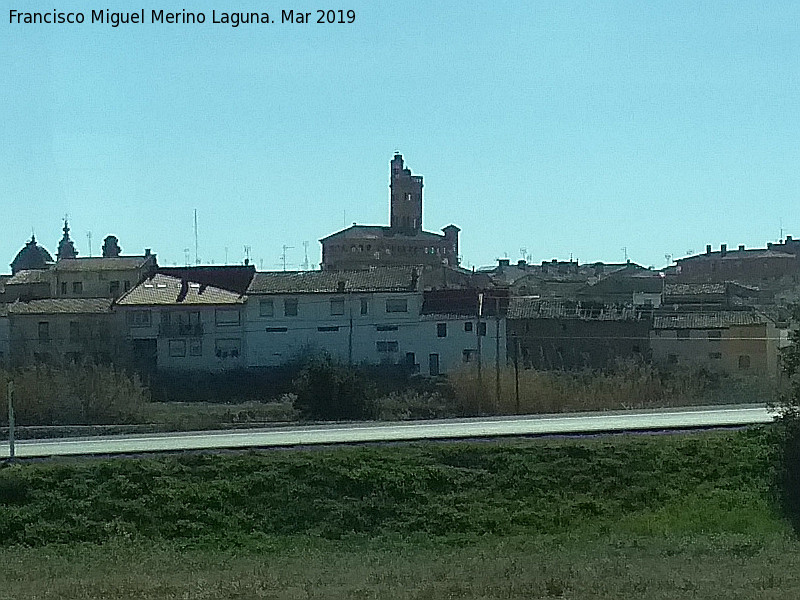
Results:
[565, 128]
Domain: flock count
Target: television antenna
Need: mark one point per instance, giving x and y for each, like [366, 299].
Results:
[283, 255]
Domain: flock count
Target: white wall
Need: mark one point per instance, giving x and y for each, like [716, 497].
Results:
[372, 338]
[200, 351]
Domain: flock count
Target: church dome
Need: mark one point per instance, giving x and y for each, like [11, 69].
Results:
[32, 256]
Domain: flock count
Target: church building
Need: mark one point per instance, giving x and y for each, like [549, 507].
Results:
[403, 242]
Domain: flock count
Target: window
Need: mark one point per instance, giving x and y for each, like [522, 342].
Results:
[682, 334]
[196, 347]
[715, 355]
[177, 348]
[396, 305]
[337, 306]
[77, 287]
[63, 288]
[44, 332]
[385, 327]
[113, 288]
[672, 359]
[482, 329]
[290, 307]
[364, 306]
[228, 348]
[266, 308]
[744, 362]
[74, 331]
[276, 329]
[433, 364]
[328, 328]
[127, 285]
[138, 318]
[468, 326]
[384, 346]
[441, 330]
[226, 317]
[468, 355]
[714, 335]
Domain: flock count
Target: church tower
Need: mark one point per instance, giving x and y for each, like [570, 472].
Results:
[66, 249]
[406, 199]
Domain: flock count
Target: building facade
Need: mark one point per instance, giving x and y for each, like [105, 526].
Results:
[403, 242]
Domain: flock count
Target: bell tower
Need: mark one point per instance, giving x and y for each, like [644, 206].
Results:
[406, 198]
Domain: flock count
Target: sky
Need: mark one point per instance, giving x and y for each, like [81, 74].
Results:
[584, 130]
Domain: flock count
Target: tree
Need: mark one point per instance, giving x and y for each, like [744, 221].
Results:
[331, 391]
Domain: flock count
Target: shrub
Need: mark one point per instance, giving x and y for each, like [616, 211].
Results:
[328, 390]
[74, 395]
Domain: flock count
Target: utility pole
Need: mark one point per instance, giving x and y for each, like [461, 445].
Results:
[516, 372]
[497, 353]
[196, 259]
[478, 332]
[11, 420]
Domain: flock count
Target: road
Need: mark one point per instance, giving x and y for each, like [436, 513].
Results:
[576, 423]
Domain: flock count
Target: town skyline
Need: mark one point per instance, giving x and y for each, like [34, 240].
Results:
[563, 130]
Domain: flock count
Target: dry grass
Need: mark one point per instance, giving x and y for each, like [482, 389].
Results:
[628, 386]
[709, 566]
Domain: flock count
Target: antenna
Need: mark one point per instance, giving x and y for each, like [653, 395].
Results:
[186, 255]
[625, 252]
[668, 257]
[283, 256]
[89, 237]
[196, 260]
[305, 262]
[247, 255]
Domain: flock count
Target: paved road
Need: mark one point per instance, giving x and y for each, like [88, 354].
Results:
[399, 431]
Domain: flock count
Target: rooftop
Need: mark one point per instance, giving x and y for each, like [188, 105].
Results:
[69, 306]
[709, 320]
[377, 279]
[160, 290]
[100, 263]
[532, 308]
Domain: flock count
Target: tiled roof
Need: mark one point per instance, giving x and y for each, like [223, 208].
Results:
[165, 290]
[99, 263]
[363, 232]
[29, 276]
[533, 308]
[69, 306]
[379, 279]
[692, 289]
[709, 320]
[739, 254]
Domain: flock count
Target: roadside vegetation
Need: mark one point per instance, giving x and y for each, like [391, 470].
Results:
[318, 388]
[614, 517]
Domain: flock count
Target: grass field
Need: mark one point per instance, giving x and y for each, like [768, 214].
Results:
[661, 516]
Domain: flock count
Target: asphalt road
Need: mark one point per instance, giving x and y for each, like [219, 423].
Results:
[576, 423]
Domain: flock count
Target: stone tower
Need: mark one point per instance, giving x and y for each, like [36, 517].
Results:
[406, 199]
[66, 249]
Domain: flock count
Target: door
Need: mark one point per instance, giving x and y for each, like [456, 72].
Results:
[433, 364]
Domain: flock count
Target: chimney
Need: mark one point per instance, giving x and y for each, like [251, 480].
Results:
[147, 251]
[723, 249]
[340, 287]
[502, 263]
[708, 248]
[741, 247]
[522, 263]
[788, 239]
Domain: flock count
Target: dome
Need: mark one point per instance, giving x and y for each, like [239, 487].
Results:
[32, 256]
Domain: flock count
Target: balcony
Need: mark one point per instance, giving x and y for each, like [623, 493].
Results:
[172, 330]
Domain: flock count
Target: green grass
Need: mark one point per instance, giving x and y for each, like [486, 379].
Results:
[658, 516]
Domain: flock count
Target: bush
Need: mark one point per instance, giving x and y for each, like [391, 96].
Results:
[327, 390]
[74, 395]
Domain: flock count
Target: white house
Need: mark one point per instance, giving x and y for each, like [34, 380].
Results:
[173, 324]
[370, 316]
